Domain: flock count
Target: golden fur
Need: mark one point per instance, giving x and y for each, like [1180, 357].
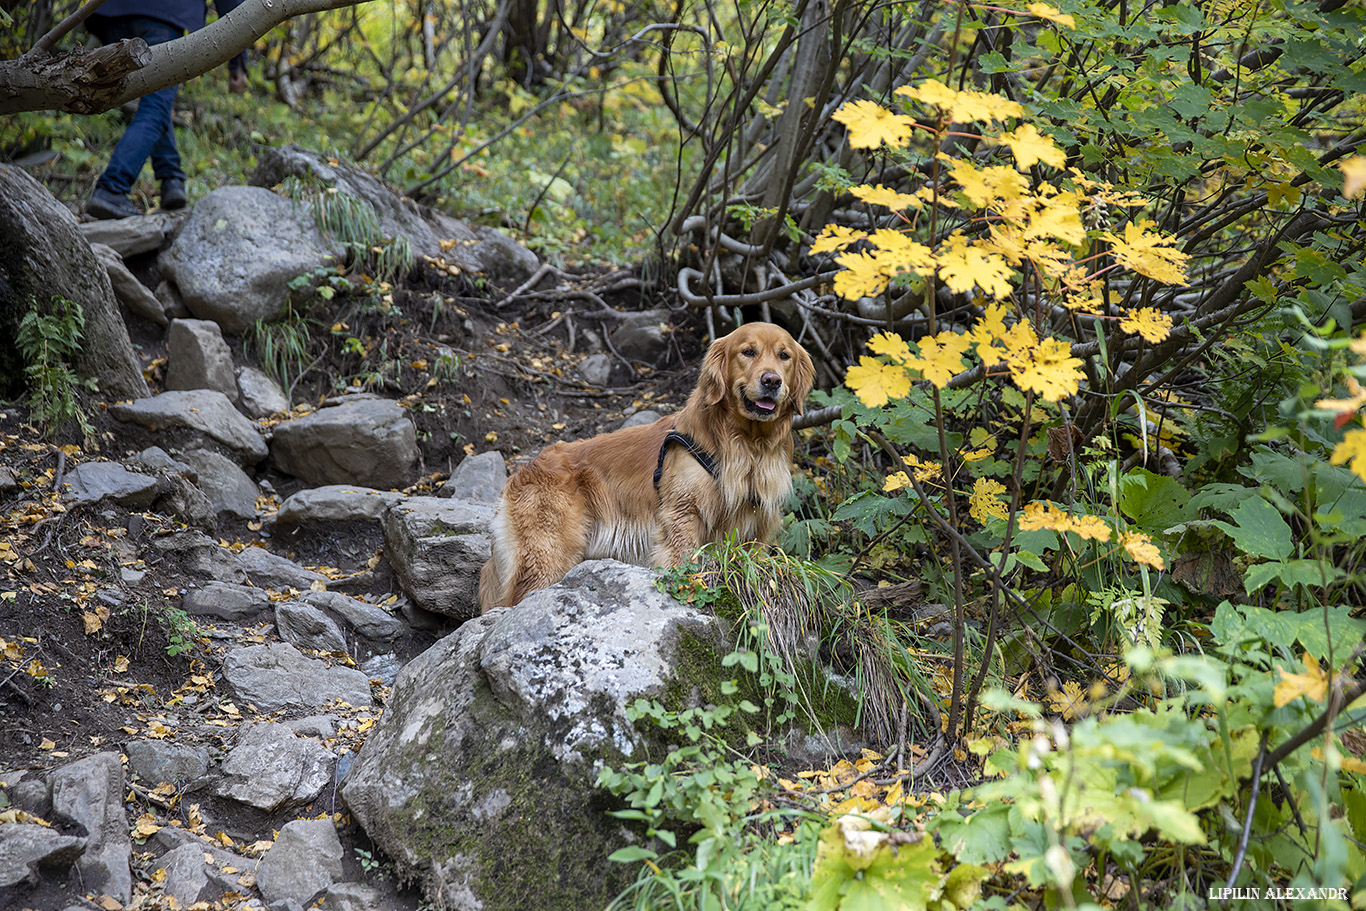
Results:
[596, 498]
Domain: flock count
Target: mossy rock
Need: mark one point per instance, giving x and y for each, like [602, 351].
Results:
[479, 779]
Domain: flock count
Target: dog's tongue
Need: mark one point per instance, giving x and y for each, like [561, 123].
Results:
[766, 404]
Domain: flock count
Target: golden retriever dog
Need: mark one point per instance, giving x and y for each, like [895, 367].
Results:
[653, 494]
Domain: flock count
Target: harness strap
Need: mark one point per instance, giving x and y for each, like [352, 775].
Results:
[704, 458]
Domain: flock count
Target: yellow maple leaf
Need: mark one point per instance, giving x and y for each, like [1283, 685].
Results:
[1141, 549]
[870, 125]
[878, 195]
[891, 345]
[876, 383]
[1352, 453]
[1149, 322]
[1051, 371]
[986, 501]
[1339, 406]
[895, 481]
[996, 187]
[1041, 516]
[988, 330]
[1353, 176]
[898, 253]
[924, 471]
[1057, 216]
[1052, 14]
[963, 265]
[941, 357]
[1092, 528]
[963, 106]
[1029, 147]
[863, 275]
[1045, 515]
[1070, 701]
[1312, 684]
[1148, 253]
[835, 237]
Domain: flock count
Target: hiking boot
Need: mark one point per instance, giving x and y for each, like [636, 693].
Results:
[173, 194]
[106, 204]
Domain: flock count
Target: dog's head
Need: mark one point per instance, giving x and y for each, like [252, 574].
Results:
[759, 371]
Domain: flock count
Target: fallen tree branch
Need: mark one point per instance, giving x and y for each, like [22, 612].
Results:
[89, 82]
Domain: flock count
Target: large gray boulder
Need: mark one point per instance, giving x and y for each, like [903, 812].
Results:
[43, 256]
[198, 417]
[436, 548]
[237, 252]
[364, 440]
[476, 248]
[503, 722]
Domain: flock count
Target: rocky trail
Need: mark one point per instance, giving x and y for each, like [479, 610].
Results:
[206, 601]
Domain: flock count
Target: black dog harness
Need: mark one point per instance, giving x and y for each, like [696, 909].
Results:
[704, 458]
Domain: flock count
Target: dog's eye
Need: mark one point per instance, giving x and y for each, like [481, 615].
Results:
[749, 352]
[784, 356]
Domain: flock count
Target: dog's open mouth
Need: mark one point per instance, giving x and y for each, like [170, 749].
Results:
[761, 407]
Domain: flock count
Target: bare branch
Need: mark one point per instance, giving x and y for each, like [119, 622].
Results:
[71, 83]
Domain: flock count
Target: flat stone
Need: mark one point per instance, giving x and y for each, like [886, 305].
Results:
[260, 395]
[368, 620]
[226, 601]
[305, 859]
[90, 793]
[272, 769]
[437, 548]
[352, 897]
[198, 358]
[319, 726]
[478, 478]
[133, 294]
[203, 411]
[336, 503]
[641, 417]
[306, 627]
[157, 761]
[268, 570]
[95, 481]
[27, 847]
[277, 676]
[363, 440]
[129, 236]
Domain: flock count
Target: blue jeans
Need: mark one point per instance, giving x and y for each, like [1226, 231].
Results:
[151, 133]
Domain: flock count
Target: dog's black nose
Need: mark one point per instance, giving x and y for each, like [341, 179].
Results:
[771, 382]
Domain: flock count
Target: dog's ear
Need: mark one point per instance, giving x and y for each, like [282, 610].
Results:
[803, 376]
[711, 382]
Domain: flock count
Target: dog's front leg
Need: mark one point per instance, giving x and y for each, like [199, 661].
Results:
[681, 530]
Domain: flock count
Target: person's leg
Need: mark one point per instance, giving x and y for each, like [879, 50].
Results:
[151, 132]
